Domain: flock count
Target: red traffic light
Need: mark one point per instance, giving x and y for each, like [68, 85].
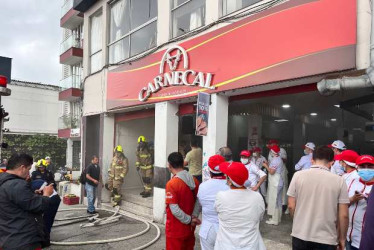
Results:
[3, 81]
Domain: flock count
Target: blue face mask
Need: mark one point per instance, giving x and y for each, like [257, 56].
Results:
[366, 174]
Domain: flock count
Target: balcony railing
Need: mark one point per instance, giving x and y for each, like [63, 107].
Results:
[69, 122]
[68, 5]
[71, 41]
[73, 81]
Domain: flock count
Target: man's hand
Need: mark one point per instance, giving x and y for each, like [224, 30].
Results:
[96, 182]
[195, 221]
[255, 188]
[48, 190]
[341, 245]
[356, 197]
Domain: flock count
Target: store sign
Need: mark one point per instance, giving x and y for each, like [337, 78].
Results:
[75, 132]
[187, 77]
[202, 114]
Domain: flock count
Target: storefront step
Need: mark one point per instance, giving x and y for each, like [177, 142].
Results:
[137, 209]
[137, 199]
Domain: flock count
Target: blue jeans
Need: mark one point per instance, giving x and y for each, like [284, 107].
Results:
[348, 246]
[91, 197]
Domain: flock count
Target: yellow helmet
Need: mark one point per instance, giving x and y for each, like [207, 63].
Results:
[141, 138]
[118, 148]
[41, 162]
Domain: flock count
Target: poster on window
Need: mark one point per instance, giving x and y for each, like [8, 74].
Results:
[202, 114]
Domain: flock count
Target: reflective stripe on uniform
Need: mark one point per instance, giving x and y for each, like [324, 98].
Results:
[146, 167]
[145, 156]
[118, 167]
[122, 175]
[147, 188]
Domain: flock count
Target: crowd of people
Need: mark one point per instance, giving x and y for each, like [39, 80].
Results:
[328, 199]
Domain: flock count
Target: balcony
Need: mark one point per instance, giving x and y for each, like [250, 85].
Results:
[71, 51]
[70, 18]
[71, 91]
[69, 126]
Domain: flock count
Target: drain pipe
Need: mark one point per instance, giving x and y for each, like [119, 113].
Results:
[331, 86]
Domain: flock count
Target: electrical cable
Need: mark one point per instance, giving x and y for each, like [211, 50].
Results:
[122, 213]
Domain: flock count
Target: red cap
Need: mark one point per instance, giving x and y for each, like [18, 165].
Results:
[245, 153]
[273, 141]
[236, 171]
[275, 148]
[214, 162]
[256, 149]
[368, 159]
[348, 156]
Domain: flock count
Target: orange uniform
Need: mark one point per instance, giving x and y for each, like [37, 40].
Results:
[179, 235]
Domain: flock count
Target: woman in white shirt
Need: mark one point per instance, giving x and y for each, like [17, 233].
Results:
[232, 206]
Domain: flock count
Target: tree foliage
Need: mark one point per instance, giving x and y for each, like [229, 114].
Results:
[38, 146]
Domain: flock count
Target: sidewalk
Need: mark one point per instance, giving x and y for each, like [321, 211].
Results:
[275, 237]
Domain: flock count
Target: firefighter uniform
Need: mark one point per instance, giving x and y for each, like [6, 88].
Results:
[144, 164]
[116, 174]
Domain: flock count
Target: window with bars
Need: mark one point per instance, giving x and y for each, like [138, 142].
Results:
[133, 28]
[187, 15]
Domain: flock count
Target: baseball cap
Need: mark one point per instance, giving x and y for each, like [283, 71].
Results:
[310, 145]
[338, 144]
[213, 163]
[275, 148]
[348, 156]
[245, 153]
[273, 141]
[256, 149]
[368, 159]
[236, 171]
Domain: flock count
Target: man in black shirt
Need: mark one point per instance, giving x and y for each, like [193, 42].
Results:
[93, 178]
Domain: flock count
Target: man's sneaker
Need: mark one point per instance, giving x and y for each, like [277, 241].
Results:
[94, 212]
[270, 222]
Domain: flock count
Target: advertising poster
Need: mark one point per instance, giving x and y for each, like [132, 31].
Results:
[202, 114]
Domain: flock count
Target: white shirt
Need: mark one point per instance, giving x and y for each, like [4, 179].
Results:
[348, 177]
[239, 212]
[207, 196]
[357, 211]
[282, 154]
[258, 161]
[336, 168]
[305, 162]
[255, 174]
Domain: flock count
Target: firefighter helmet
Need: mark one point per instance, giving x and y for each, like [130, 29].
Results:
[41, 162]
[118, 148]
[141, 139]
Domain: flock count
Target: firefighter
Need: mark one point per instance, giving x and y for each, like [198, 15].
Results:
[144, 166]
[116, 173]
[43, 173]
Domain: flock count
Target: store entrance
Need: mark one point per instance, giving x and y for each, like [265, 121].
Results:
[295, 119]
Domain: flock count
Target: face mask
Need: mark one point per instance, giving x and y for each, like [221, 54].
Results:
[306, 152]
[255, 154]
[366, 174]
[244, 161]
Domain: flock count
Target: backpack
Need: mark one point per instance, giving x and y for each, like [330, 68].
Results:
[82, 178]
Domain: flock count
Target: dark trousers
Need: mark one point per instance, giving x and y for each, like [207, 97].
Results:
[298, 244]
[50, 214]
[199, 178]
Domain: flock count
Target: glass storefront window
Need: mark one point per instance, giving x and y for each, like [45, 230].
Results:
[229, 6]
[187, 16]
[133, 28]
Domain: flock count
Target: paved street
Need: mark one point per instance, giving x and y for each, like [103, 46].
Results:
[274, 237]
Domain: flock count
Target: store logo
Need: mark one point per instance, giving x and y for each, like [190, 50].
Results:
[171, 59]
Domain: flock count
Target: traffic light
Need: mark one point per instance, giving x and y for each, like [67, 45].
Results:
[4, 91]
[3, 81]
[3, 114]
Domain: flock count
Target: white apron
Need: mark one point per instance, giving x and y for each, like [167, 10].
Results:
[273, 192]
[285, 185]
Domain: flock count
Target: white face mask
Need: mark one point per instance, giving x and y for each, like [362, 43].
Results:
[244, 160]
[255, 154]
[306, 152]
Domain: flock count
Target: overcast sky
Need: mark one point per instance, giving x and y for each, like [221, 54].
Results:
[30, 33]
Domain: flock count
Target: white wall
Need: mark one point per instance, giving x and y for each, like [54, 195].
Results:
[32, 110]
[127, 136]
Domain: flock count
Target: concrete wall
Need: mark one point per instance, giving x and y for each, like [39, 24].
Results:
[32, 110]
[127, 134]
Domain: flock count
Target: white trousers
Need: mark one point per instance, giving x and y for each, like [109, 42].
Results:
[209, 242]
[277, 216]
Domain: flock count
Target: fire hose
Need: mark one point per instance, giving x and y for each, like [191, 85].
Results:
[104, 221]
